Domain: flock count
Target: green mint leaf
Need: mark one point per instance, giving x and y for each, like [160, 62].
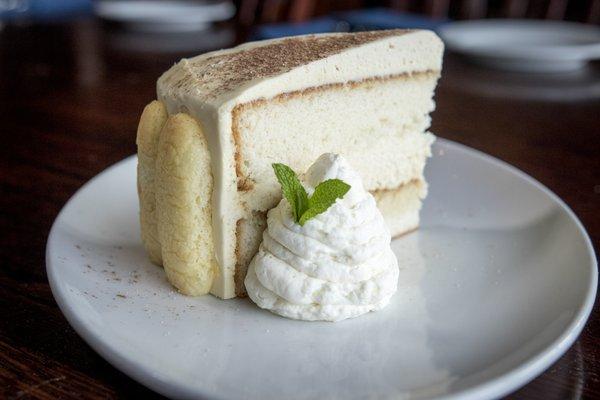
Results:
[292, 189]
[326, 193]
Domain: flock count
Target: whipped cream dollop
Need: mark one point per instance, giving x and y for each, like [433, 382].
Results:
[338, 265]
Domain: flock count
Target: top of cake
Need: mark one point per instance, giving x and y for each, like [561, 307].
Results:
[218, 76]
[228, 69]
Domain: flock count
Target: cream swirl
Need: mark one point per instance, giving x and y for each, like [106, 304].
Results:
[338, 265]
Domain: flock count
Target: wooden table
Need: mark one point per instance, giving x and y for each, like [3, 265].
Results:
[70, 98]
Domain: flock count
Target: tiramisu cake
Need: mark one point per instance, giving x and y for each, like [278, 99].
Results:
[207, 145]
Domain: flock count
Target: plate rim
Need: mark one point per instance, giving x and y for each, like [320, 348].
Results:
[496, 387]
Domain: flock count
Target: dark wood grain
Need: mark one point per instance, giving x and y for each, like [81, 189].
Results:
[70, 97]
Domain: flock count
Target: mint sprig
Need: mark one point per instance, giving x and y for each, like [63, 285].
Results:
[303, 207]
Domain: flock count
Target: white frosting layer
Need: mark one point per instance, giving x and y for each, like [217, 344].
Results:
[338, 265]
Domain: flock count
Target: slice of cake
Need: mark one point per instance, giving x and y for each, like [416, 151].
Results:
[206, 146]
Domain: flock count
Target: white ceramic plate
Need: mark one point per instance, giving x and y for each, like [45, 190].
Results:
[164, 15]
[524, 45]
[497, 284]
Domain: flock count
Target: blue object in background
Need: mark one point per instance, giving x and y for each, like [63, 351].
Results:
[317, 25]
[358, 20]
[43, 10]
[385, 18]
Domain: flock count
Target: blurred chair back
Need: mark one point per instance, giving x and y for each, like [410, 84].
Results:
[253, 12]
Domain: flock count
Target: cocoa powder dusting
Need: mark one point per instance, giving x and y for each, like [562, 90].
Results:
[225, 72]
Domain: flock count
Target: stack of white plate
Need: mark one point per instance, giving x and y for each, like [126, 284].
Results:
[164, 16]
[524, 45]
